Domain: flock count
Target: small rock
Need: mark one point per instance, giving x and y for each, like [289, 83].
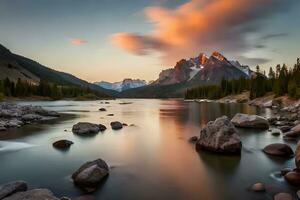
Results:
[124, 124]
[11, 188]
[283, 196]
[276, 132]
[258, 187]
[279, 149]
[62, 144]
[110, 115]
[193, 139]
[293, 178]
[102, 109]
[116, 125]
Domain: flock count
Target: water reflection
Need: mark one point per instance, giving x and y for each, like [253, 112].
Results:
[152, 160]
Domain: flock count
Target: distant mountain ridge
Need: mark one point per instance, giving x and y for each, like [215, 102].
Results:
[200, 70]
[120, 86]
[14, 66]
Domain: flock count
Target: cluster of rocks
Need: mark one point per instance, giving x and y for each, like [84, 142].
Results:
[86, 128]
[18, 190]
[14, 115]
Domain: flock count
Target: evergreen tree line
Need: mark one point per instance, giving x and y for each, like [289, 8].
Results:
[20, 88]
[281, 81]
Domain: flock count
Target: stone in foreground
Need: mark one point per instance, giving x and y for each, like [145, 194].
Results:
[35, 194]
[250, 121]
[62, 144]
[220, 136]
[85, 128]
[90, 175]
[11, 188]
[116, 125]
[279, 149]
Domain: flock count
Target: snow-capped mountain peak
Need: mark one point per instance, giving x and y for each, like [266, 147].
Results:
[120, 86]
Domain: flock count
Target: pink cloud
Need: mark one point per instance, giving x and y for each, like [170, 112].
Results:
[201, 26]
[77, 41]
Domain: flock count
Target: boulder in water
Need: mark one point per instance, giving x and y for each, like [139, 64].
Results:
[293, 178]
[85, 128]
[90, 175]
[279, 149]
[220, 136]
[250, 121]
[102, 109]
[62, 144]
[116, 125]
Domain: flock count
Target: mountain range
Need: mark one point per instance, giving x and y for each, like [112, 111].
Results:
[173, 82]
[124, 85]
[200, 70]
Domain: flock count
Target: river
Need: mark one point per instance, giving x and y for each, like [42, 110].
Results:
[151, 160]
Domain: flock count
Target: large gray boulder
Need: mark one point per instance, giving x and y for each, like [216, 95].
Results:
[35, 194]
[220, 136]
[11, 188]
[90, 175]
[84, 128]
[250, 121]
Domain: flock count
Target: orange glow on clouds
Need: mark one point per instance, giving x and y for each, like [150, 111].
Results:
[77, 41]
[200, 26]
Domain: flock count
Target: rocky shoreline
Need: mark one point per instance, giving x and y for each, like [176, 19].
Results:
[14, 116]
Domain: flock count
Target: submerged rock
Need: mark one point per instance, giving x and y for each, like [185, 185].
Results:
[11, 188]
[258, 187]
[35, 194]
[220, 136]
[279, 149]
[283, 196]
[90, 175]
[62, 144]
[116, 125]
[250, 121]
[85, 128]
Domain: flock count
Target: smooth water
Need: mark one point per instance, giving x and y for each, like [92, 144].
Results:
[151, 160]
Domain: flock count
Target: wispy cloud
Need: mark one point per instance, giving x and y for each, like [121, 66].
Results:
[77, 41]
[202, 26]
[273, 35]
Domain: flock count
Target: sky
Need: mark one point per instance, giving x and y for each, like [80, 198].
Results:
[115, 39]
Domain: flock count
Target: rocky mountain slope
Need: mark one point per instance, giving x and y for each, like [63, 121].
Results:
[14, 66]
[126, 84]
[201, 70]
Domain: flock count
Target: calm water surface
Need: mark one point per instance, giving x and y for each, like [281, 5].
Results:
[152, 160]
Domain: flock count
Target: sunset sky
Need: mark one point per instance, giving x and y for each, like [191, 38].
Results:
[116, 39]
